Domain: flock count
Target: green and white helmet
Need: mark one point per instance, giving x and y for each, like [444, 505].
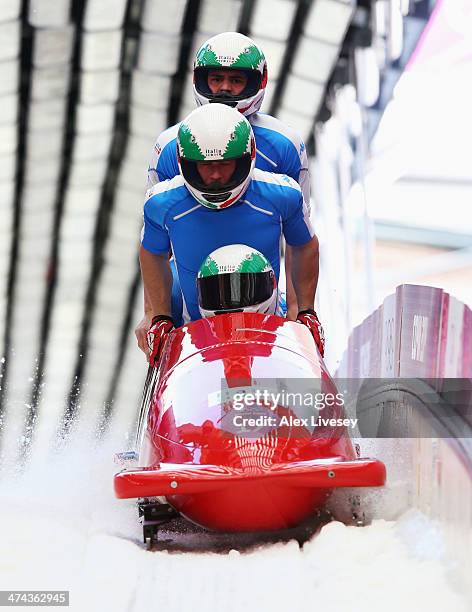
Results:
[231, 50]
[236, 278]
[216, 133]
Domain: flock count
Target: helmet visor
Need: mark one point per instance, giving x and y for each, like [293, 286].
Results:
[235, 290]
[254, 80]
[193, 178]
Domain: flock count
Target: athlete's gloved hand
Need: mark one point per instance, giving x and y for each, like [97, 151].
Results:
[161, 325]
[141, 333]
[309, 318]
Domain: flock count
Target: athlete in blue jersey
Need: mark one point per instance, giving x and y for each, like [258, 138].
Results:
[278, 148]
[217, 199]
[172, 221]
[230, 68]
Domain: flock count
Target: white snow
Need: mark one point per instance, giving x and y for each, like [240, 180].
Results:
[62, 529]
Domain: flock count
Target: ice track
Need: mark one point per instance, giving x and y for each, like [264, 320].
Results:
[61, 528]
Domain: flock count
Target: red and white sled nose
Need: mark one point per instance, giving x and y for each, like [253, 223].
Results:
[227, 499]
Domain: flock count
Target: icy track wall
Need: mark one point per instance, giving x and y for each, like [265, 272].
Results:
[422, 333]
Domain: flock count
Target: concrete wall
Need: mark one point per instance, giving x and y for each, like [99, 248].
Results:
[420, 333]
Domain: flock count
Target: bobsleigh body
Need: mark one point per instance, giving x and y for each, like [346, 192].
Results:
[266, 467]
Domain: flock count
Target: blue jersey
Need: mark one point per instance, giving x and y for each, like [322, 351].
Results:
[279, 149]
[173, 220]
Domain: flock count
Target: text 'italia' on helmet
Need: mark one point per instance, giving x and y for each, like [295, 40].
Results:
[216, 152]
[231, 51]
[236, 278]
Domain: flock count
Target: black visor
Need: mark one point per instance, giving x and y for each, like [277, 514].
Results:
[254, 79]
[235, 290]
[191, 175]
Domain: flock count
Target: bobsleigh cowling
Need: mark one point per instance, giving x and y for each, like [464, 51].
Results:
[230, 475]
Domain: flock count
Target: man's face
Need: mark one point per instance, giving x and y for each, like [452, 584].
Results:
[232, 82]
[216, 174]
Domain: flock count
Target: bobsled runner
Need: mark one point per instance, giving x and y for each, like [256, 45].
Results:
[213, 451]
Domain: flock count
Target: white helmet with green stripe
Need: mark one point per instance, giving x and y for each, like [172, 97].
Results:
[234, 51]
[236, 278]
[218, 134]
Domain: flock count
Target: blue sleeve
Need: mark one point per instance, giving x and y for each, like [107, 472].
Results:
[296, 225]
[296, 166]
[155, 237]
[163, 164]
[167, 166]
[292, 164]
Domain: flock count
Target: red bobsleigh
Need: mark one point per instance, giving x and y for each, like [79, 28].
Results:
[229, 464]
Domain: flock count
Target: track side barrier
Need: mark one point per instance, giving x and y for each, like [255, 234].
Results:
[412, 361]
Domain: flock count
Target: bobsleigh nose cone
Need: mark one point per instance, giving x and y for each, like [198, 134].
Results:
[245, 507]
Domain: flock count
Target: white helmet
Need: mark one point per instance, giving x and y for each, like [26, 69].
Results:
[236, 278]
[211, 133]
[231, 50]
